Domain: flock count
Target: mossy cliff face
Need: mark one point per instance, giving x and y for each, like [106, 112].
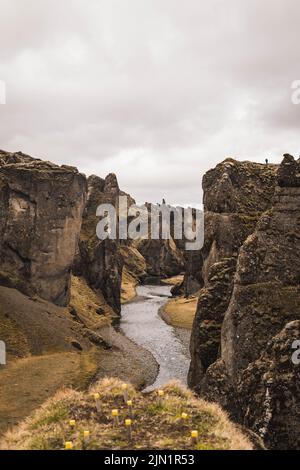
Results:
[48, 219]
[235, 194]
[269, 391]
[232, 209]
[104, 264]
[48, 227]
[100, 261]
[254, 377]
[41, 207]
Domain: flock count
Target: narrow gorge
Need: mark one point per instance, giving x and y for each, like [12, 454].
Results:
[75, 309]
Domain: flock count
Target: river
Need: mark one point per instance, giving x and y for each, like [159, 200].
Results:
[142, 324]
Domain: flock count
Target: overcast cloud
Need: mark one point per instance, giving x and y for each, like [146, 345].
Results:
[157, 91]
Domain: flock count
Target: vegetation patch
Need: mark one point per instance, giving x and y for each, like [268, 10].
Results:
[96, 420]
[87, 306]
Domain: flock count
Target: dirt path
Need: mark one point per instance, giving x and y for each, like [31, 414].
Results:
[27, 383]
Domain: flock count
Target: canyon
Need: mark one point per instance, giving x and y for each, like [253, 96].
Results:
[62, 290]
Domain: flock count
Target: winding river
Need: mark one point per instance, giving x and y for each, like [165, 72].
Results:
[142, 324]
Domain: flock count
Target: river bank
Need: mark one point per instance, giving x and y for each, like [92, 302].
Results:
[150, 355]
[169, 346]
[126, 360]
[179, 312]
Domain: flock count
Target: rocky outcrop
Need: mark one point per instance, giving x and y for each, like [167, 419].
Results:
[235, 194]
[212, 303]
[269, 391]
[164, 255]
[254, 377]
[41, 207]
[100, 261]
[193, 280]
[239, 187]
[163, 258]
[232, 209]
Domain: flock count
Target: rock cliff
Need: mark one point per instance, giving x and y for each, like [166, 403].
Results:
[250, 371]
[163, 258]
[41, 207]
[232, 208]
[100, 261]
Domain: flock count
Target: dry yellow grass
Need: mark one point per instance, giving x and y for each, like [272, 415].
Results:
[172, 281]
[156, 425]
[128, 288]
[134, 269]
[180, 312]
[90, 306]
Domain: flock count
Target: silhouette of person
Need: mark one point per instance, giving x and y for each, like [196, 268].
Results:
[267, 161]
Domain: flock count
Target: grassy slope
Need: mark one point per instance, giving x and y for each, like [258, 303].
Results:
[91, 308]
[172, 281]
[155, 426]
[41, 358]
[27, 383]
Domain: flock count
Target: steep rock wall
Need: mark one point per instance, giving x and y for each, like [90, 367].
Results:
[235, 195]
[100, 261]
[41, 207]
[254, 377]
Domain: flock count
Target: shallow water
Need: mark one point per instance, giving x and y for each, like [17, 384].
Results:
[142, 323]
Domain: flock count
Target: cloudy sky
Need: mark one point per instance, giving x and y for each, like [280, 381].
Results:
[157, 91]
